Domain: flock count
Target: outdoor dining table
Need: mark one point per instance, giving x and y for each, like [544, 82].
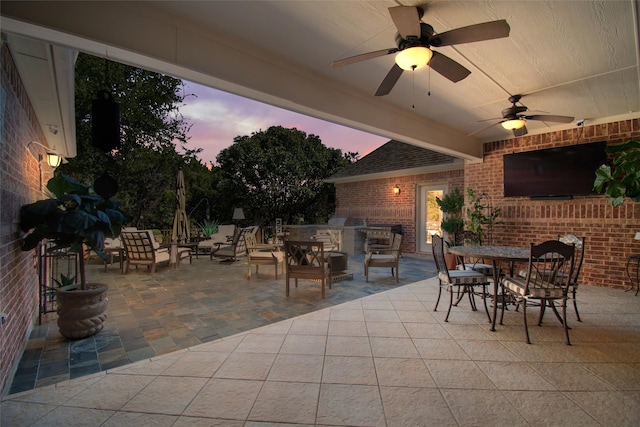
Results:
[509, 254]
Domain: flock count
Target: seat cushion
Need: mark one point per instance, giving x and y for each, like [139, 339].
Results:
[162, 256]
[518, 285]
[382, 257]
[486, 269]
[264, 256]
[380, 260]
[463, 277]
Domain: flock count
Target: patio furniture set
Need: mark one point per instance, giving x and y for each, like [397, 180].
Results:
[548, 279]
[318, 260]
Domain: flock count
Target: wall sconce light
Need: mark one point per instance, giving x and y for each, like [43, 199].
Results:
[53, 158]
[396, 190]
[637, 236]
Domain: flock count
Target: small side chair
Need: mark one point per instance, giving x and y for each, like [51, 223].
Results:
[579, 243]
[306, 260]
[388, 258]
[261, 256]
[545, 281]
[460, 282]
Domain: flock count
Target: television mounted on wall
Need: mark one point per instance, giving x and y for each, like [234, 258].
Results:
[560, 172]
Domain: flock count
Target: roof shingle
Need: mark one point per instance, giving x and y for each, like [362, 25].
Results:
[394, 156]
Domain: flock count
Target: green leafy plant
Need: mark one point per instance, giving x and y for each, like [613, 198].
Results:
[50, 291]
[74, 216]
[64, 281]
[481, 215]
[208, 227]
[623, 180]
[451, 205]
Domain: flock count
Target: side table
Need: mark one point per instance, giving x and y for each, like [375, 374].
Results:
[339, 262]
[193, 248]
[633, 259]
[114, 251]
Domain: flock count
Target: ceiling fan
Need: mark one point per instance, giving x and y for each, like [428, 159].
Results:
[414, 41]
[514, 120]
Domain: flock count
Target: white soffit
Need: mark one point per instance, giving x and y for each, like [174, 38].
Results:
[47, 72]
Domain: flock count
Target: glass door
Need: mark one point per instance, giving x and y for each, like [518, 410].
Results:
[429, 215]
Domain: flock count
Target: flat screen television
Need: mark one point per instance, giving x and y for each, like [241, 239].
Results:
[554, 172]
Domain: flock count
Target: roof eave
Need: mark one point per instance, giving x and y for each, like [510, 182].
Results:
[457, 164]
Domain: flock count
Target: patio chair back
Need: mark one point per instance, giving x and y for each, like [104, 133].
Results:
[546, 280]
[472, 238]
[261, 255]
[461, 282]
[389, 258]
[580, 243]
[231, 250]
[306, 260]
[141, 248]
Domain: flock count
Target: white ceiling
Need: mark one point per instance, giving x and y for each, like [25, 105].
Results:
[574, 58]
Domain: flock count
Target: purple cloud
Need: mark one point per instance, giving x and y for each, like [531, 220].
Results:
[217, 117]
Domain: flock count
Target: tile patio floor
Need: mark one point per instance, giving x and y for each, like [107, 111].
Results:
[385, 359]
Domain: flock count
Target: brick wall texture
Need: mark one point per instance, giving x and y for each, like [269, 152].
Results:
[609, 230]
[21, 179]
[375, 201]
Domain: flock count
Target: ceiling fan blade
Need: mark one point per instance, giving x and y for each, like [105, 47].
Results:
[389, 81]
[490, 120]
[362, 57]
[448, 67]
[484, 128]
[520, 132]
[407, 20]
[550, 118]
[473, 33]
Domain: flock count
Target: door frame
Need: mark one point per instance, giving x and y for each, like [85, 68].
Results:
[421, 213]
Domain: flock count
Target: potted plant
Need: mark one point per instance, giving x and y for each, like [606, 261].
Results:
[73, 217]
[452, 223]
[208, 227]
[624, 179]
[481, 215]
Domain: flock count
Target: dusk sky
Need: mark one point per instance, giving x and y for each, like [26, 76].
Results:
[217, 117]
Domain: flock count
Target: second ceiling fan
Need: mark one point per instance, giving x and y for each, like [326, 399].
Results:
[414, 41]
[514, 119]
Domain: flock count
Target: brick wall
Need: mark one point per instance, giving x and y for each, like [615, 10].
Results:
[609, 230]
[21, 178]
[375, 201]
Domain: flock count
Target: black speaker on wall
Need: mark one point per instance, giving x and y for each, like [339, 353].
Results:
[105, 122]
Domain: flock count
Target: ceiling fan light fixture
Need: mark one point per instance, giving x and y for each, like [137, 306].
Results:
[413, 57]
[514, 124]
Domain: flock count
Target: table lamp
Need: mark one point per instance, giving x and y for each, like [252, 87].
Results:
[238, 215]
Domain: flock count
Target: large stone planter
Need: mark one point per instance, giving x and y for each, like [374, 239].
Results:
[81, 313]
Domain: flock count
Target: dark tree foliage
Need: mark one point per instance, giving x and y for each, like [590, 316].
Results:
[279, 173]
[147, 163]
